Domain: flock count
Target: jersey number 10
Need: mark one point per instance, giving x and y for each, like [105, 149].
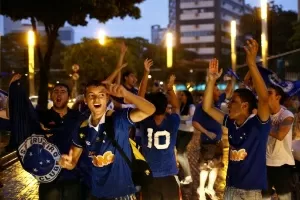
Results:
[156, 135]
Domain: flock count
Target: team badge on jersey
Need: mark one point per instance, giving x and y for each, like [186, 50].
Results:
[39, 157]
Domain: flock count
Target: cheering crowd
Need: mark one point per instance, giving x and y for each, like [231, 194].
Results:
[123, 143]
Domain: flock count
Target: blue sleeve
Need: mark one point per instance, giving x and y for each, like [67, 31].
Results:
[123, 116]
[264, 126]
[222, 98]
[175, 118]
[198, 114]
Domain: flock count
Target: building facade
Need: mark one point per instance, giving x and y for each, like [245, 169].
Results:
[203, 26]
[157, 34]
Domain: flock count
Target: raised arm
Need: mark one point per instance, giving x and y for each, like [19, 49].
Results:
[213, 74]
[259, 85]
[143, 107]
[172, 96]
[202, 130]
[115, 73]
[283, 129]
[120, 62]
[229, 88]
[143, 86]
[70, 161]
[14, 78]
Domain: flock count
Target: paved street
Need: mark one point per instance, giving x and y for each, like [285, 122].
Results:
[190, 192]
[19, 185]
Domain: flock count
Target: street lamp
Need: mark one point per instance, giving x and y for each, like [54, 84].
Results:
[101, 37]
[264, 34]
[169, 43]
[31, 43]
[233, 45]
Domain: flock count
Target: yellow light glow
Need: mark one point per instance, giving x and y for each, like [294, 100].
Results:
[264, 9]
[101, 37]
[233, 45]
[264, 34]
[169, 43]
[31, 43]
[31, 38]
[191, 89]
[233, 28]
[264, 49]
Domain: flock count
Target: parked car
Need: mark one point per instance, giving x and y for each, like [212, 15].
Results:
[34, 101]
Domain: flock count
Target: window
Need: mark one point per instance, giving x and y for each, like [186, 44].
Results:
[197, 33]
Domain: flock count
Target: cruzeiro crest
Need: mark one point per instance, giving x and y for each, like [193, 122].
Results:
[286, 86]
[39, 157]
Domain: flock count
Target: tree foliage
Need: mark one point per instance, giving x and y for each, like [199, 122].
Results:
[55, 13]
[97, 62]
[280, 27]
[14, 54]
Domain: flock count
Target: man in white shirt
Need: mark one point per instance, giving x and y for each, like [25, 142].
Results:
[279, 148]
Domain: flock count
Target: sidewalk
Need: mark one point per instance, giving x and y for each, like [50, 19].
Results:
[19, 185]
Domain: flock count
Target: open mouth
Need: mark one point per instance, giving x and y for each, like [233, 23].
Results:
[58, 100]
[97, 106]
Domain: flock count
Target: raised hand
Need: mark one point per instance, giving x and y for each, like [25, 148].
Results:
[15, 78]
[124, 65]
[171, 81]
[213, 72]
[65, 160]
[251, 50]
[115, 89]
[147, 64]
[123, 48]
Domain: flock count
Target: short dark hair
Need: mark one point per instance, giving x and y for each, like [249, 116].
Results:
[247, 95]
[95, 83]
[126, 74]
[159, 100]
[279, 91]
[62, 85]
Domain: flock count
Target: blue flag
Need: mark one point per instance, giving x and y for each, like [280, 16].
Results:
[231, 73]
[37, 155]
[291, 88]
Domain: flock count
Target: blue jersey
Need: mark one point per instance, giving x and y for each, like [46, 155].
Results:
[158, 143]
[247, 153]
[208, 122]
[61, 134]
[109, 176]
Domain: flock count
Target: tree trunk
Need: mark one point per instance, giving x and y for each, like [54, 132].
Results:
[44, 62]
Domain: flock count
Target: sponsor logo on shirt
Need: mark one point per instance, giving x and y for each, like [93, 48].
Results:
[238, 155]
[103, 160]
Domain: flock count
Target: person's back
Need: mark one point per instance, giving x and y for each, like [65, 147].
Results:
[159, 133]
[158, 143]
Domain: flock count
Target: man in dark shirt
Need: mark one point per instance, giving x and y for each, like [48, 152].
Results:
[61, 119]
